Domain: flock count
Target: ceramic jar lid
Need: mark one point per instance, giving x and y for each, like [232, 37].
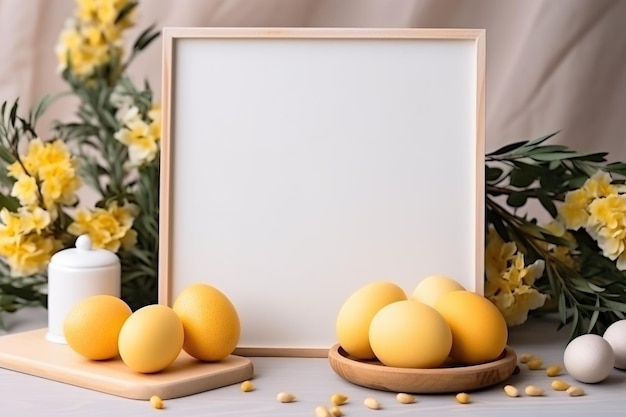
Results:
[83, 256]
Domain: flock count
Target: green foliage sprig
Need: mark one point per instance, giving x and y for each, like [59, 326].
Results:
[589, 294]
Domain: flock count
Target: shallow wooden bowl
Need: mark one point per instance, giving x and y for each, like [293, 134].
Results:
[449, 378]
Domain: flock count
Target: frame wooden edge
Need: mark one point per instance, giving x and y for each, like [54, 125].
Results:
[171, 33]
[282, 352]
[163, 286]
[480, 158]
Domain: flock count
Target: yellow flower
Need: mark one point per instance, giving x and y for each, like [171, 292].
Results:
[561, 252]
[573, 212]
[497, 254]
[599, 185]
[25, 189]
[509, 281]
[607, 212]
[104, 12]
[36, 219]
[108, 228]
[51, 175]
[25, 257]
[94, 38]
[607, 225]
[22, 245]
[515, 305]
[141, 142]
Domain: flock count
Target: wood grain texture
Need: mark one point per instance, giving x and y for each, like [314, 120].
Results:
[373, 374]
[30, 353]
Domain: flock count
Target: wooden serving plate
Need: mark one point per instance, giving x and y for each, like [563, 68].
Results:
[449, 378]
[30, 353]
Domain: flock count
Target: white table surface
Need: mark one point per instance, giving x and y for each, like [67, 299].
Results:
[313, 382]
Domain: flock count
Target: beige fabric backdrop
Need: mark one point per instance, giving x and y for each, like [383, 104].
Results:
[551, 64]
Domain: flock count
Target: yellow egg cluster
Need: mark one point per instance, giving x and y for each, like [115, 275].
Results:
[440, 319]
[202, 322]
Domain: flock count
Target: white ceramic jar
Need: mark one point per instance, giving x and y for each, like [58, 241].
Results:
[75, 274]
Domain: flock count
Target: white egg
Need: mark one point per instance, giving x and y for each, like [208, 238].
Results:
[615, 334]
[589, 358]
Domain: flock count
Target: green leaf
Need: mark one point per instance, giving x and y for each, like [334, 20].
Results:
[542, 139]
[145, 38]
[492, 174]
[9, 202]
[547, 203]
[616, 167]
[521, 178]
[591, 157]
[562, 308]
[6, 156]
[550, 156]
[615, 305]
[128, 7]
[548, 149]
[517, 199]
[13, 113]
[549, 181]
[497, 223]
[594, 287]
[594, 316]
[507, 148]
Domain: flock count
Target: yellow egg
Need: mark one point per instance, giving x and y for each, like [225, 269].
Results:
[356, 313]
[151, 339]
[410, 334]
[479, 332]
[431, 288]
[210, 321]
[92, 326]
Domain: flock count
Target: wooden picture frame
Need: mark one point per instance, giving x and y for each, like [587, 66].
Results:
[300, 164]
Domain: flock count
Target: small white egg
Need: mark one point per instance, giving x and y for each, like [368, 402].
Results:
[615, 334]
[589, 358]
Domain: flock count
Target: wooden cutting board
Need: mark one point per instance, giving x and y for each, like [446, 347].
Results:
[30, 353]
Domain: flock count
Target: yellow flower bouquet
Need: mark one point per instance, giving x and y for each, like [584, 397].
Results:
[572, 264]
[112, 146]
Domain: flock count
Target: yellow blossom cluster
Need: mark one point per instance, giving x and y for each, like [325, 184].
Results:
[24, 243]
[599, 207]
[46, 178]
[561, 253]
[109, 228]
[509, 282]
[140, 135]
[94, 37]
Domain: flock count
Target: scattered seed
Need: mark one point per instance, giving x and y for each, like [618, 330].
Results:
[321, 411]
[559, 385]
[575, 391]
[463, 398]
[372, 403]
[525, 357]
[404, 398]
[554, 370]
[338, 399]
[534, 391]
[511, 391]
[246, 386]
[285, 397]
[157, 402]
[336, 411]
[534, 363]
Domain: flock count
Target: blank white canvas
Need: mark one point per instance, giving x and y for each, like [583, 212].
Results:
[303, 169]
